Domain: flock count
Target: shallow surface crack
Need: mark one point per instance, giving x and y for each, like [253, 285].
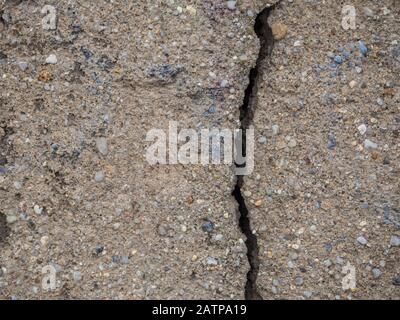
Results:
[247, 109]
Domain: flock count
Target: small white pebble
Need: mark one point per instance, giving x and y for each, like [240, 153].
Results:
[368, 144]
[51, 59]
[361, 240]
[362, 128]
[99, 176]
[37, 209]
[275, 129]
[231, 5]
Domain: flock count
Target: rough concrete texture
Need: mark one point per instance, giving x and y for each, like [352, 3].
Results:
[77, 193]
[324, 192]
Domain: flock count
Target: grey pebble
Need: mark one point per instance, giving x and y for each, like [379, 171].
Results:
[339, 261]
[17, 185]
[101, 144]
[380, 102]
[361, 240]
[77, 276]
[22, 65]
[11, 219]
[211, 261]
[207, 226]
[368, 144]
[331, 142]
[395, 241]
[276, 282]
[293, 256]
[51, 59]
[99, 176]
[219, 237]
[231, 5]
[327, 263]
[275, 129]
[124, 259]
[368, 12]
[262, 140]
[161, 231]
[224, 84]
[298, 281]
[376, 273]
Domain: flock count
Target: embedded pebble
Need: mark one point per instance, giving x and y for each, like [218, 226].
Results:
[275, 129]
[192, 10]
[262, 140]
[211, 261]
[292, 143]
[363, 48]
[327, 263]
[247, 193]
[368, 12]
[361, 240]
[352, 84]
[18, 185]
[224, 84]
[99, 176]
[219, 237]
[380, 102]
[362, 128]
[376, 273]
[101, 144]
[11, 219]
[368, 144]
[279, 30]
[44, 240]
[338, 59]
[22, 65]
[395, 241]
[161, 231]
[207, 226]
[385, 11]
[298, 281]
[331, 142]
[37, 209]
[231, 5]
[77, 276]
[51, 59]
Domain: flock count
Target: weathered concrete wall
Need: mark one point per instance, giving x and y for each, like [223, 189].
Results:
[76, 190]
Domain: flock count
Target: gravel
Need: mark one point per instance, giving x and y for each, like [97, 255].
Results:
[298, 281]
[101, 144]
[99, 176]
[207, 226]
[376, 273]
[361, 240]
[395, 241]
[51, 59]
[368, 144]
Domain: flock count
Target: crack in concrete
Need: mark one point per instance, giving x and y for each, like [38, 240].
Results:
[264, 33]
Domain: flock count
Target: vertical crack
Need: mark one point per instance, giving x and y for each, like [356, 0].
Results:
[264, 33]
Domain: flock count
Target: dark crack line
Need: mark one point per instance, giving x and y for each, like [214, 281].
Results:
[264, 33]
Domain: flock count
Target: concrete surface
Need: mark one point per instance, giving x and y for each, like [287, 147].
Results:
[76, 191]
